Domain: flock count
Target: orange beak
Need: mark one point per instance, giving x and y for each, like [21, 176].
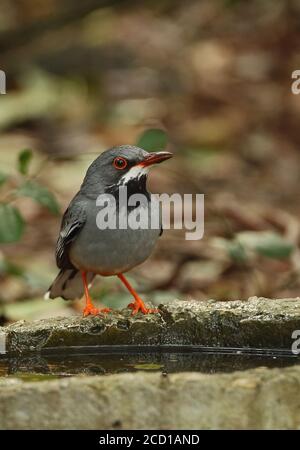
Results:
[155, 158]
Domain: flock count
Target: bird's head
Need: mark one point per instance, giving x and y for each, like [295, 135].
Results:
[120, 166]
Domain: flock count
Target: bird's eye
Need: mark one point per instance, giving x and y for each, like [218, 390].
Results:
[120, 163]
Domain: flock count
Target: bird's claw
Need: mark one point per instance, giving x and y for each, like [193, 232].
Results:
[137, 306]
[92, 311]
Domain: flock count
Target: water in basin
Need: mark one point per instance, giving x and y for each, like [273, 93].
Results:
[82, 361]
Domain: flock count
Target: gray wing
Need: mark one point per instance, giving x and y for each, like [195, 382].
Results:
[73, 220]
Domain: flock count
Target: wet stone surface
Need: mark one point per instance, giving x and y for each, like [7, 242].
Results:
[255, 323]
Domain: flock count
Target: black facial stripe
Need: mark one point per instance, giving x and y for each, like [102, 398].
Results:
[138, 186]
[134, 186]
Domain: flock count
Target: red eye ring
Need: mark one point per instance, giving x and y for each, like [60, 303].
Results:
[120, 163]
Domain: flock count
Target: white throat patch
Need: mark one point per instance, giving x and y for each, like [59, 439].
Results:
[134, 173]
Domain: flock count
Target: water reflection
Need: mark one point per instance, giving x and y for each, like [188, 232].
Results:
[64, 365]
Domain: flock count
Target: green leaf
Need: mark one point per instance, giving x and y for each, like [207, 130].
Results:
[40, 194]
[236, 252]
[153, 139]
[266, 243]
[24, 158]
[234, 249]
[11, 224]
[3, 178]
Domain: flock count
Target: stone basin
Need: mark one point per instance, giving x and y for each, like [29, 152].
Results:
[235, 369]
[256, 323]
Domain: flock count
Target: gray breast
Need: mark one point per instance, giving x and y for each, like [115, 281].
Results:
[113, 251]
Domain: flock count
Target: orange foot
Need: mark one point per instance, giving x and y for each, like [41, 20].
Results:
[139, 305]
[92, 311]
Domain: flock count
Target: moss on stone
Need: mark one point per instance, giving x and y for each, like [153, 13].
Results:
[257, 322]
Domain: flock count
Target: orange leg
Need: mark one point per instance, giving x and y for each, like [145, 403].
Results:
[138, 304]
[89, 307]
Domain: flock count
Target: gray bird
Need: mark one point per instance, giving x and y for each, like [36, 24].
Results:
[84, 250]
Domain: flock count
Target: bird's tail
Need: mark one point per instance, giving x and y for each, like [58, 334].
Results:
[68, 285]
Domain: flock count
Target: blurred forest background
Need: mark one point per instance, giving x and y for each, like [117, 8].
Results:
[215, 77]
